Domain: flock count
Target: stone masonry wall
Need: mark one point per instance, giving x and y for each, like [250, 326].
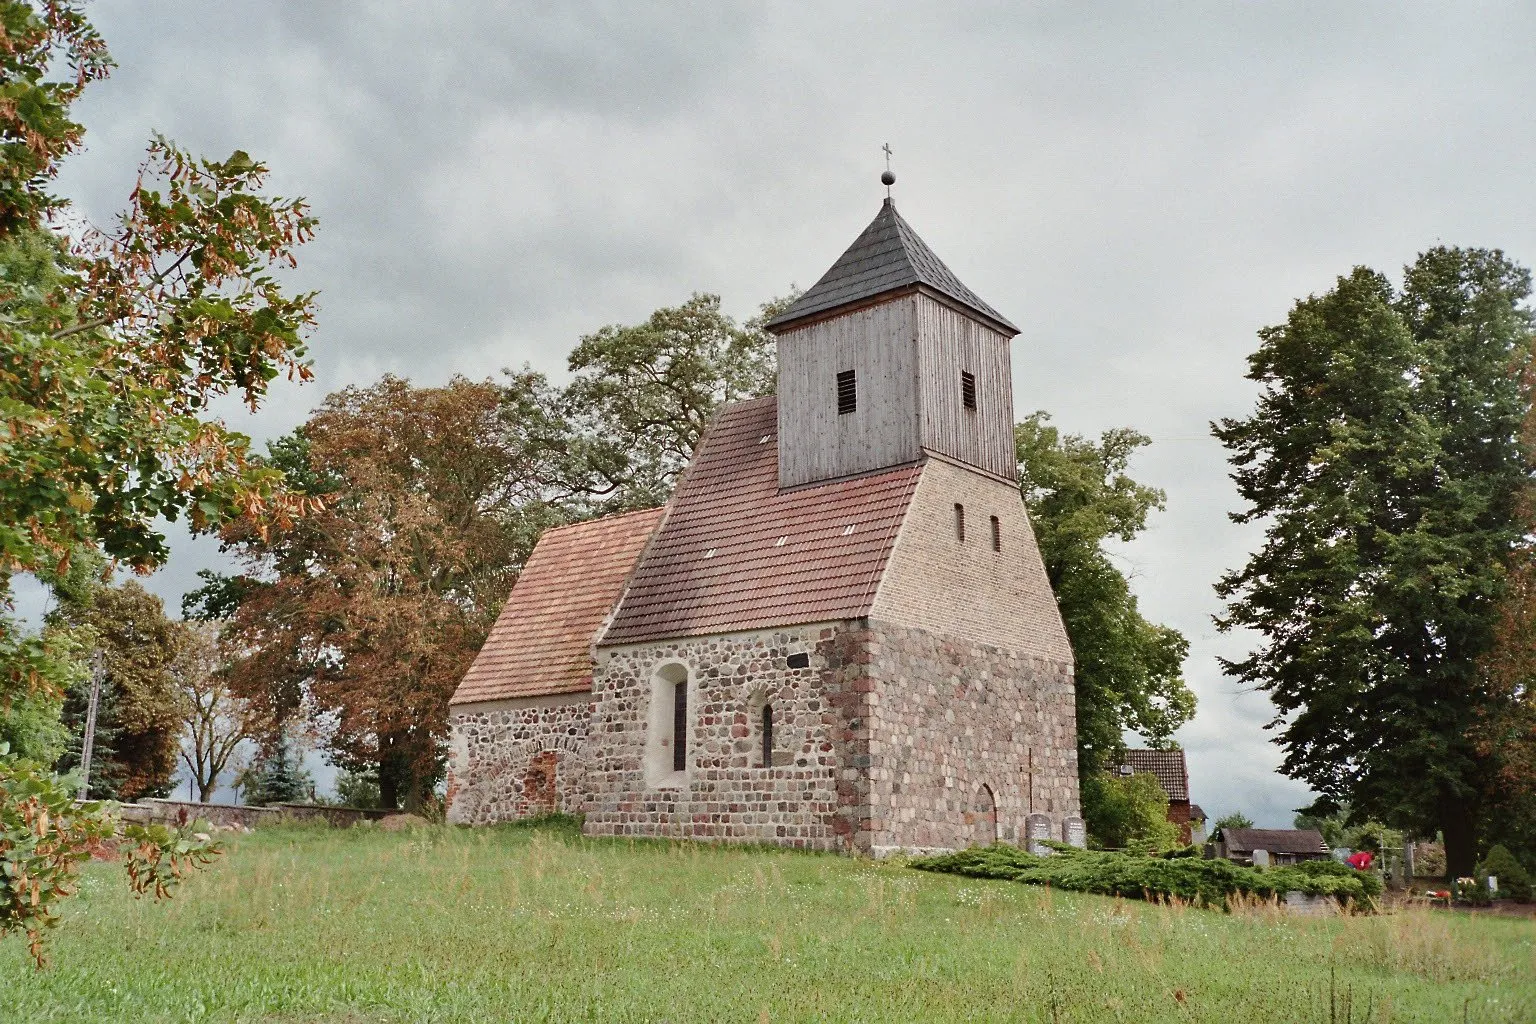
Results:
[947, 717]
[805, 798]
[515, 758]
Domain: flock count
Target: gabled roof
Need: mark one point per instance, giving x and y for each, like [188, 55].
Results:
[1275, 840]
[541, 644]
[1166, 765]
[735, 553]
[888, 256]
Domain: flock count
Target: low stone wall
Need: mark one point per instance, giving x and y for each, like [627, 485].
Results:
[171, 812]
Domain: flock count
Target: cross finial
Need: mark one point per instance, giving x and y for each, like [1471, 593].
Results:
[888, 179]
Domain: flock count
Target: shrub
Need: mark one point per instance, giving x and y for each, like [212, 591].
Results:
[1129, 811]
[1514, 880]
[1207, 882]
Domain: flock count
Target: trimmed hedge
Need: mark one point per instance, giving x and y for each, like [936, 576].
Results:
[1208, 882]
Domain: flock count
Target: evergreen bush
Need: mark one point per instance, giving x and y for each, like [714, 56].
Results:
[1514, 880]
[1207, 882]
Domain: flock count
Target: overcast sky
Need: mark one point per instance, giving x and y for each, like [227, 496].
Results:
[1140, 187]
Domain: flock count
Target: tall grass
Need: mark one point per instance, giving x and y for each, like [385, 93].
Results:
[538, 924]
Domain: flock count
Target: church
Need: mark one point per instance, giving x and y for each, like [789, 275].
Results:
[838, 634]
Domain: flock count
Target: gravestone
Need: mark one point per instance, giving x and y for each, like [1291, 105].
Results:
[1037, 829]
[1408, 861]
[1261, 858]
[1074, 833]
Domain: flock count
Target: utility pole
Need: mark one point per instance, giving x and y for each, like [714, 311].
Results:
[88, 745]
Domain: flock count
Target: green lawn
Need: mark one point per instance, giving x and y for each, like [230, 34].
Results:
[518, 924]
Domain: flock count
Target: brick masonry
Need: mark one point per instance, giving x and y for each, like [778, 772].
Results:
[889, 738]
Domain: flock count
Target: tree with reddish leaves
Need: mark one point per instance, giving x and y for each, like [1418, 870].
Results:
[364, 615]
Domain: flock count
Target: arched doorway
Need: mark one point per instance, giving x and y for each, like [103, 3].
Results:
[539, 792]
[984, 817]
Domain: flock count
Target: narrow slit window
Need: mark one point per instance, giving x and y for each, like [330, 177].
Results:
[997, 534]
[960, 522]
[767, 735]
[968, 389]
[847, 393]
[680, 726]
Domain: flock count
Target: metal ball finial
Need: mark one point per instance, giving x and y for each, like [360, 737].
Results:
[887, 178]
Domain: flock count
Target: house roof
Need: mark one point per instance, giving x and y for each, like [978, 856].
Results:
[1196, 813]
[887, 256]
[1275, 840]
[1167, 766]
[542, 641]
[736, 553]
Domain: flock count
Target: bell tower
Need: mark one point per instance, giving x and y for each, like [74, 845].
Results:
[889, 359]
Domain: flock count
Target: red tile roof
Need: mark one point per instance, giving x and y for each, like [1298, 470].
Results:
[542, 641]
[1167, 765]
[735, 553]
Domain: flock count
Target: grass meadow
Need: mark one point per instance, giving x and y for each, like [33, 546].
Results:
[538, 924]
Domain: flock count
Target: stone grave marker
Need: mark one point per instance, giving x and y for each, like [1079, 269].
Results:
[1037, 829]
[1261, 858]
[1074, 833]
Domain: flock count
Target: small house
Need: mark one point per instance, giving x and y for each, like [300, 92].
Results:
[1264, 846]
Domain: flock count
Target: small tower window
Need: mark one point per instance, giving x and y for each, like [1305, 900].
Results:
[767, 731]
[847, 393]
[960, 522]
[680, 726]
[997, 534]
[968, 389]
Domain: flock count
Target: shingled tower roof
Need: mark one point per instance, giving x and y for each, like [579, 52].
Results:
[887, 257]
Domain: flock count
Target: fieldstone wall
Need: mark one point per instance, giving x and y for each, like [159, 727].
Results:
[516, 758]
[726, 792]
[960, 732]
[885, 738]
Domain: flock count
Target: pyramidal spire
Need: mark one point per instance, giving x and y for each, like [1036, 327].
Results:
[888, 256]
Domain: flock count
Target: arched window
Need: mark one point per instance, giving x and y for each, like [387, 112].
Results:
[767, 735]
[667, 727]
[680, 725]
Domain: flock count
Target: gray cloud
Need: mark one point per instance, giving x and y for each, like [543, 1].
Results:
[1140, 187]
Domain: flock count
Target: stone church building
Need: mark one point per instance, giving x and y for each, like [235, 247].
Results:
[838, 634]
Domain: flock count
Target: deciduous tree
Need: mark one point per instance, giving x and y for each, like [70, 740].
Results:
[215, 720]
[366, 613]
[112, 344]
[1385, 458]
[139, 719]
[642, 394]
[1129, 670]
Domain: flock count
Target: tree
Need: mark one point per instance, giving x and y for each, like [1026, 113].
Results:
[139, 718]
[1129, 670]
[215, 720]
[112, 345]
[1385, 457]
[1128, 812]
[1237, 819]
[367, 612]
[276, 777]
[642, 395]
